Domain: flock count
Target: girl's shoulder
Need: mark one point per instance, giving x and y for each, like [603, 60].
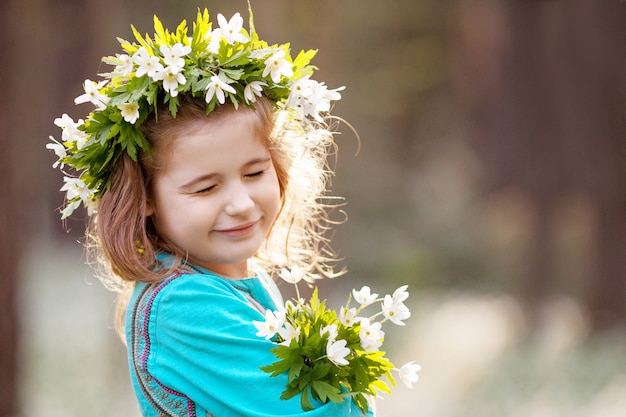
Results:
[181, 286]
[188, 295]
[182, 306]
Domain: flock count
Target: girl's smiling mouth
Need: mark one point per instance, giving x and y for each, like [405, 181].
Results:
[239, 230]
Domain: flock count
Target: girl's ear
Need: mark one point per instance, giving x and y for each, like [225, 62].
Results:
[149, 208]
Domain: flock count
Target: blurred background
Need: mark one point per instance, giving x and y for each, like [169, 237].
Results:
[490, 176]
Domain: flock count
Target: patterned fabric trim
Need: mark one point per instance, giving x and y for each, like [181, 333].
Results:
[164, 400]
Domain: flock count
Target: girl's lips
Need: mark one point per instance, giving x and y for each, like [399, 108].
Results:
[239, 230]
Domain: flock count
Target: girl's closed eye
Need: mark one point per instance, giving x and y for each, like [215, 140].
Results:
[205, 190]
[255, 174]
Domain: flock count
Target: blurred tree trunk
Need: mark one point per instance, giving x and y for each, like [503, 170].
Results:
[9, 233]
[600, 117]
[549, 118]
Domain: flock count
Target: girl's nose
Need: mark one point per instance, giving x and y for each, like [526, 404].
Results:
[239, 202]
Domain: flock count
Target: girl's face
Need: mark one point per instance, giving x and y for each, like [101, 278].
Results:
[218, 194]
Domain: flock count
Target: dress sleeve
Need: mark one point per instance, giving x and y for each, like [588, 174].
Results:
[204, 345]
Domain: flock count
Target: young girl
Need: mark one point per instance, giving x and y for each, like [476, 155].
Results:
[203, 166]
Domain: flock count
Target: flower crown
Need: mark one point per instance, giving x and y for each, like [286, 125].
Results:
[215, 64]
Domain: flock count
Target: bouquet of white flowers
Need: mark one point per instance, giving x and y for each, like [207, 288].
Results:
[330, 355]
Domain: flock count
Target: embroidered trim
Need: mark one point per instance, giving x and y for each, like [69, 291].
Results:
[163, 399]
[243, 289]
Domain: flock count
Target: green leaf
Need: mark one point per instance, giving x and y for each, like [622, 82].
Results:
[326, 392]
[321, 370]
[181, 32]
[296, 368]
[277, 368]
[234, 100]
[124, 97]
[114, 131]
[131, 149]
[233, 74]
[282, 351]
[140, 38]
[211, 105]
[305, 401]
[314, 301]
[361, 402]
[202, 83]
[151, 93]
[111, 154]
[104, 133]
[143, 143]
[159, 32]
[236, 60]
[381, 386]
[289, 393]
[199, 27]
[304, 380]
[173, 105]
[304, 57]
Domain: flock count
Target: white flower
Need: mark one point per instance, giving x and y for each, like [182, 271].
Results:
[59, 151]
[252, 90]
[123, 65]
[173, 57]
[207, 35]
[331, 329]
[317, 136]
[348, 317]
[400, 294]
[277, 66]
[69, 209]
[302, 87]
[216, 88]
[171, 79]
[261, 53]
[146, 63]
[75, 187]
[93, 94]
[81, 139]
[231, 30]
[130, 111]
[91, 206]
[273, 322]
[408, 373]
[371, 334]
[395, 311]
[290, 306]
[65, 122]
[294, 276]
[363, 296]
[71, 133]
[312, 97]
[288, 333]
[337, 351]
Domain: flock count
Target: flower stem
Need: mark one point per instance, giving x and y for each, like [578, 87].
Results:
[297, 293]
[376, 315]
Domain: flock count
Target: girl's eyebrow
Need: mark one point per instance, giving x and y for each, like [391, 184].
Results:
[205, 177]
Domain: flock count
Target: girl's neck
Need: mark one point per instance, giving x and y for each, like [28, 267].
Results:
[228, 271]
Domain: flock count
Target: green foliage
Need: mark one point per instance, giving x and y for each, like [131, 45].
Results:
[216, 65]
[312, 374]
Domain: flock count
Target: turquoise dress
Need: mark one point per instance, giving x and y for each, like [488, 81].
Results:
[193, 350]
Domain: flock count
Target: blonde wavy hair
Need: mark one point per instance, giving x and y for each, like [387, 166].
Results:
[122, 240]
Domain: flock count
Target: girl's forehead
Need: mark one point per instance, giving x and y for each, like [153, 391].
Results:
[176, 136]
[218, 120]
[230, 135]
